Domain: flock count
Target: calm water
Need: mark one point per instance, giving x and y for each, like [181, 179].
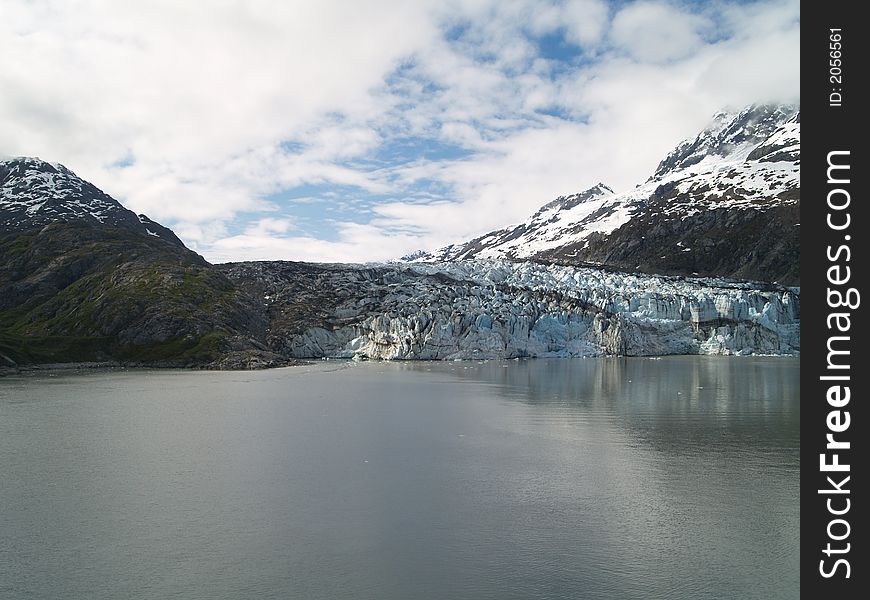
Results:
[605, 478]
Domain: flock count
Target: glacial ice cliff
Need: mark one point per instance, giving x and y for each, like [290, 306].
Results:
[492, 309]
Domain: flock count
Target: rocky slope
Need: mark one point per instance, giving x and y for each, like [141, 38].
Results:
[84, 279]
[499, 309]
[725, 203]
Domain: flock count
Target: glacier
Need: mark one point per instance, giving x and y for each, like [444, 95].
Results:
[497, 309]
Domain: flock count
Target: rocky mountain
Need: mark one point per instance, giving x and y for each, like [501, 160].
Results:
[84, 279]
[35, 193]
[725, 203]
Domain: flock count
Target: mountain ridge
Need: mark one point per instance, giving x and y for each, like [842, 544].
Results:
[34, 193]
[702, 212]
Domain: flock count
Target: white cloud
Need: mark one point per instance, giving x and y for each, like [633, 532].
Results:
[265, 246]
[657, 32]
[727, 77]
[269, 226]
[585, 20]
[196, 113]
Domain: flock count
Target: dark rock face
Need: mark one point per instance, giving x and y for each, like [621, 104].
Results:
[300, 297]
[84, 279]
[75, 291]
[750, 245]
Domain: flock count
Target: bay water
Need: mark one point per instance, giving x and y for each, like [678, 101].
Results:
[612, 478]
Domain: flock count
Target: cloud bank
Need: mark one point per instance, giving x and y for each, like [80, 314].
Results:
[348, 131]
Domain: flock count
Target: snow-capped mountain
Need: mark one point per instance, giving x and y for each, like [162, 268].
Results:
[757, 133]
[545, 229]
[725, 203]
[35, 193]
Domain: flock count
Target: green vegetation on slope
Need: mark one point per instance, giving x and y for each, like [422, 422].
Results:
[73, 292]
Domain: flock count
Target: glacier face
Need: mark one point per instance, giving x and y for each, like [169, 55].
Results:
[493, 309]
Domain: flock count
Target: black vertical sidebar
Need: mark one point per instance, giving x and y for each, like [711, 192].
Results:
[834, 262]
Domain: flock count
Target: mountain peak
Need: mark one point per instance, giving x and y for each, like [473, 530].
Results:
[730, 134]
[35, 193]
[568, 202]
[29, 165]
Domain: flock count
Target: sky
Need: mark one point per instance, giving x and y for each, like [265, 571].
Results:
[338, 130]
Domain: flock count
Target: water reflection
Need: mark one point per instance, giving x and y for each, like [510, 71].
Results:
[688, 454]
[754, 398]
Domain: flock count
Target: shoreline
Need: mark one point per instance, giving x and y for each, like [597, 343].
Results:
[104, 366]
